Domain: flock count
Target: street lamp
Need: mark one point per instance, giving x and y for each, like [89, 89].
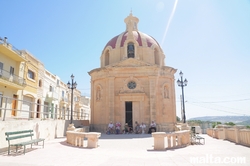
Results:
[72, 86]
[182, 83]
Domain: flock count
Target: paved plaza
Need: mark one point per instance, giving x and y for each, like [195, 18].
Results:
[129, 150]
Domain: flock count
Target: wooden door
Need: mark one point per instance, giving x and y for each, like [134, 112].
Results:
[14, 105]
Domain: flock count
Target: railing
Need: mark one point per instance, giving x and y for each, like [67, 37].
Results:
[76, 138]
[174, 139]
[65, 99]
[29, 112]
[53, 95]
[210, 132]
[244, 137]
[230, 134]
[12, 78]
[11, 47]
[235, 134]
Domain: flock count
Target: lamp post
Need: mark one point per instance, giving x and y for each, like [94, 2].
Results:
[72, 86]
[182, 83]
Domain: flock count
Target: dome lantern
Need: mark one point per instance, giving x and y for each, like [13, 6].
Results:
[131, 23]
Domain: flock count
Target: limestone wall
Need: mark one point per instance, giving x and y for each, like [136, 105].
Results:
[153, 98]
[237, 134]
[48, 129]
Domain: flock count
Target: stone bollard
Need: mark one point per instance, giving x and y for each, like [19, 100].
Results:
[237, 133]
[71, 127]
[92, 139]
[159, 142]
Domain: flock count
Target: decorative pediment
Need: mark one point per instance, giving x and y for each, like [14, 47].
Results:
[131, 62]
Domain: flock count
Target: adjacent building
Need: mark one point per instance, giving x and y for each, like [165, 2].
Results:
[29, 91]
[12, 82]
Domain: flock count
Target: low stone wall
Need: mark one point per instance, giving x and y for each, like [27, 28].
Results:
[229, 134]
[244, 137]
[76, 138]
[48, 129]
[237, 134]
[210, 132]
[174, 139]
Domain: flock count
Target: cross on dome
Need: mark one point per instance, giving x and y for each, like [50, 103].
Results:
[131, 22]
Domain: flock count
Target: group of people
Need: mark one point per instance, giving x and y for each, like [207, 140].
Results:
[138, 129]
[114, 128]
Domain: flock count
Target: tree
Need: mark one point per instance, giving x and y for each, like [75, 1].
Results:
[215, 124]
[230, 123]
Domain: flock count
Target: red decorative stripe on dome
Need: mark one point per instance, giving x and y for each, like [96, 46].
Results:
[124, 37]
[150, 40]
[139, 39]
[112, 42]
[136, 35]
[156, 42]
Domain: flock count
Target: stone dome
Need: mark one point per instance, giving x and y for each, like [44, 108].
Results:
[118, 41]
[132, 44]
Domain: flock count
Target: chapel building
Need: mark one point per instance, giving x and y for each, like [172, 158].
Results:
[132, 83]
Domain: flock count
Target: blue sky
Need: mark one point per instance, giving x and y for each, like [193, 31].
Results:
[208, 40]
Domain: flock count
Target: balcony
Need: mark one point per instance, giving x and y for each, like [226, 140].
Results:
[9, 50]
[64, 99]
[11, 80]
[52, 95]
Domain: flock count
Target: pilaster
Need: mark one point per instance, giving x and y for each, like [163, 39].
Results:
[111, 98]
[152, 96]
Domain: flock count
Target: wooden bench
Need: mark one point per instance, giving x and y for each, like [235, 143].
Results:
[19, 135]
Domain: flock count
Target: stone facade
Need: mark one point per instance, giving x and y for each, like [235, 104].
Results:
[12, 82]
[29, 91]
[133, 83]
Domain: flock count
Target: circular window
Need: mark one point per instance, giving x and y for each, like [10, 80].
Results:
[131, 85]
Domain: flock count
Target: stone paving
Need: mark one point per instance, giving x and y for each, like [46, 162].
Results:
[129, 150]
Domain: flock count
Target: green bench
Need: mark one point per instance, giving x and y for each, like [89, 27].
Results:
[15, 135]
[197, 137]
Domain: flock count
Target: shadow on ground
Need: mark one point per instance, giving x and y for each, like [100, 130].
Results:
[19, 152]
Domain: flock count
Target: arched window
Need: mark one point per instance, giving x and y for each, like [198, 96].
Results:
[131, 50]
[107, 58]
